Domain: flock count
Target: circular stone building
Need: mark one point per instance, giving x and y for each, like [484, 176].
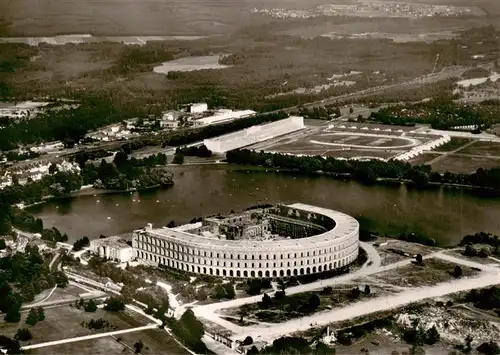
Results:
[274, 241]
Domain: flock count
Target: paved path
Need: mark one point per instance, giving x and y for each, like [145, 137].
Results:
[490, 275]
[89, 337]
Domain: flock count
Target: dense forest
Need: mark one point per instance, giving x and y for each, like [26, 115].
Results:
[368, 172]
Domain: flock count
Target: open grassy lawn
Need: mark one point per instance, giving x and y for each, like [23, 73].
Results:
[454, 144]
[63, 322]
[456, 163]
[423, 158]
[433, 271]
[486, 149]
[155, 342]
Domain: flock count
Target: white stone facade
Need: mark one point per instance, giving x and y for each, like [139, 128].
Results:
[198, 107]
[254, 134]
[197, 254]
[110, 248]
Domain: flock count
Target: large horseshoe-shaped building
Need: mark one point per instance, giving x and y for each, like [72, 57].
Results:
[279, 241]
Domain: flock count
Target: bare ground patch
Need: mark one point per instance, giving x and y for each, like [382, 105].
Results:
[64, 322]
[456, 163]
[433, 271]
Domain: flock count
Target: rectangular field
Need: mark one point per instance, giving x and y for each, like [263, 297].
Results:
[456, 163]
[423, 158]
[155, 342]
[358, 153]
[486, 149]
[63, 322]
[454, 144]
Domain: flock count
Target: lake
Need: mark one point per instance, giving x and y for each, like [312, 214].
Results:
[445, 215]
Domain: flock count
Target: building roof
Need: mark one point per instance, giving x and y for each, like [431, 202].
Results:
[223, 116]
[345, 225]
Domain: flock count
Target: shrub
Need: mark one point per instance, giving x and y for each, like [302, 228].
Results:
[248, 341]
[23, 334]
[114, 304]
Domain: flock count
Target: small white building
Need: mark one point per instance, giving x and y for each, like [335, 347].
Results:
[112, 248]
[49, 147]
[198, 107]
[169, 124]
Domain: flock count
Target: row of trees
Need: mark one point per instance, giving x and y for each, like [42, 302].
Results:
[368, 172]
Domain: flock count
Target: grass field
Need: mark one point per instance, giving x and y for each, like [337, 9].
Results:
[367, 141]
[456, 163]
[486, 149]
[63, 322]
[432, 272]
[423, 158]
[454, 144]
[155, 342]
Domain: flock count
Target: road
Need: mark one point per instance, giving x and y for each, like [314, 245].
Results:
[89, 337]
[490, 275]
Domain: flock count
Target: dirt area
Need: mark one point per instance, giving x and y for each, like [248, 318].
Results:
[382, 342]
[295, 306]
[63, 322]
[375, 146]
[61, 294]
[357, 153]
[477, 259]
[423, 158]
[457, 163]
[352, 139]
[433, 271]
[155, 342]
[389, 257]
[486, 149]
[454, 144]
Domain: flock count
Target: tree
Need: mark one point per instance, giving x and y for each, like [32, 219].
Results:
[2, 244]
[419, 259]
[23, 334]
[457, 272]
[432, 336]
[229, 289]
[40, 313]
[114, 304]
[367, 290]
[90, 306]
[468, 344]
[355, 292]
[266, 301]
[314, 302]
[248, 341]
[12, 315]
[138, 346]
[351, 110]
[32, 317]
[178, 159]
[489, 348]
[253, 351]
[9, 345]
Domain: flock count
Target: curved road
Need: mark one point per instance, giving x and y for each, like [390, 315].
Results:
[489, 276]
